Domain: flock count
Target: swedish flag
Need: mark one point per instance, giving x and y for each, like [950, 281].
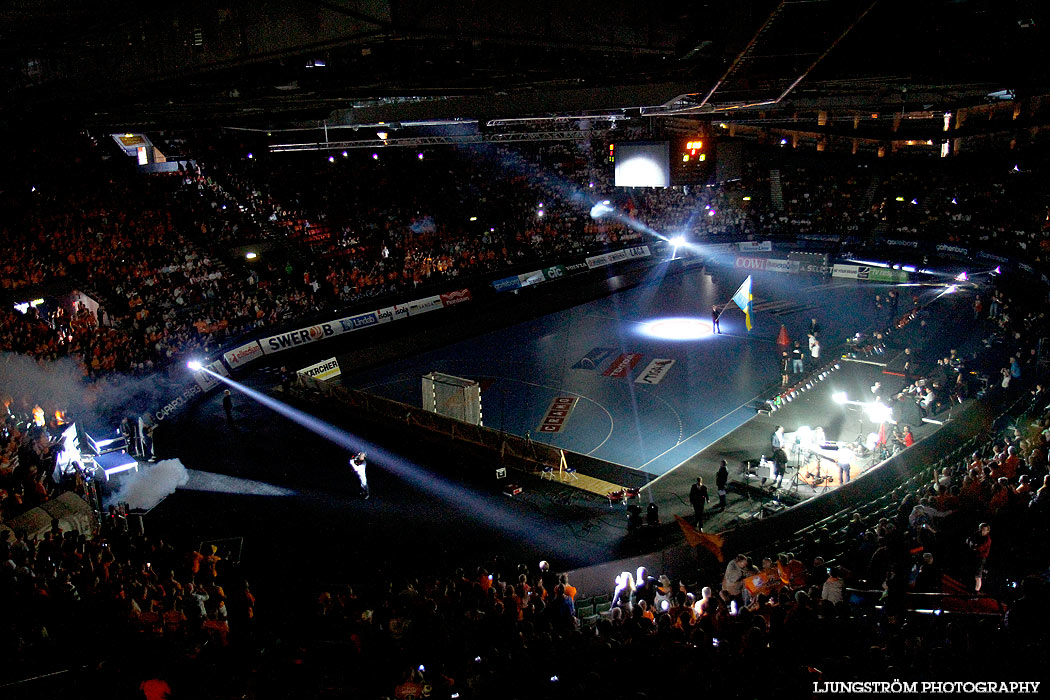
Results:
[743, 299]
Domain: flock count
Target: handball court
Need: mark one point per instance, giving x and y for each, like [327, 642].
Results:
[292, 498]
[638, 379]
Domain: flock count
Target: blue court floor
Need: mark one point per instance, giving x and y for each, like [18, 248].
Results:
[592, 380]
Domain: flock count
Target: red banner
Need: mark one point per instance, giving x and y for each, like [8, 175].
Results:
[457, 297]
[558, 414]
[623, 364]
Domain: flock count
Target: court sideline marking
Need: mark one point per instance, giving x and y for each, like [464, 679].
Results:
[719, 420]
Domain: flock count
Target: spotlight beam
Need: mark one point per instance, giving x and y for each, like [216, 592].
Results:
[458, 497]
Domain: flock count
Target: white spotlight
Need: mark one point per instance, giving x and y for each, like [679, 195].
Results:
[677, 329]
[839, 397]
[961, 277]
[195, 365]
[878, 412]
[677, 241]
[250, 255]
[601, 209]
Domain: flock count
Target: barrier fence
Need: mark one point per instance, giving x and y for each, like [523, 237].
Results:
[509, 450]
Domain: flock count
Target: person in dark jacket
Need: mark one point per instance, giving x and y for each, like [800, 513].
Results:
[698, 499]
[721, 481]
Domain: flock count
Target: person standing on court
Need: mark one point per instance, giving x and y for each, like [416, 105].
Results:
[721, 482]
[714, 320]
[358, 463]
[797, 366]
[698, 499]
[227, 407]
[776, 440]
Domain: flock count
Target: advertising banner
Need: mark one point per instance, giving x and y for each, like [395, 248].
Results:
[244, 354]
[353, 323]
[422, 306]
[654, 372]
[554, 273]
[206, 381]
[506, 284]
[300, 337]
[558, 414]
[457, 297]
[392, 313]
[596, 261]
[534, 277]
[849, 271]
[768, 264]
[623, 364]
[754, 246]
[882, 274]
[322, 370]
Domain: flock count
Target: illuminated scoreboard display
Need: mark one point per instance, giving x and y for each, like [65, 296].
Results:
[691, 160]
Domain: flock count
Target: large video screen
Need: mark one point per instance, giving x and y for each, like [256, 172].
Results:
[645, 164]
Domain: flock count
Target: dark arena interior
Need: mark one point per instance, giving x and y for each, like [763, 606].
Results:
[399, 349]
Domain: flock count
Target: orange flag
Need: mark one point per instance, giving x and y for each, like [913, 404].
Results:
[695, 538]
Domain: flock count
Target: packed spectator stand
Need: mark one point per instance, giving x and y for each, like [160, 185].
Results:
[169, 289]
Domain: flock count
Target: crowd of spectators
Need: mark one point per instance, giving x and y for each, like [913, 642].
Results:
[117, 589]
[155, 251]
[28, 454]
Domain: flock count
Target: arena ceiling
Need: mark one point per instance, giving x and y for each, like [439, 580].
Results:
[272, 64]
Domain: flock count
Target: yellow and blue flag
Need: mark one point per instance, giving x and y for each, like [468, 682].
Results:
[743, 299]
